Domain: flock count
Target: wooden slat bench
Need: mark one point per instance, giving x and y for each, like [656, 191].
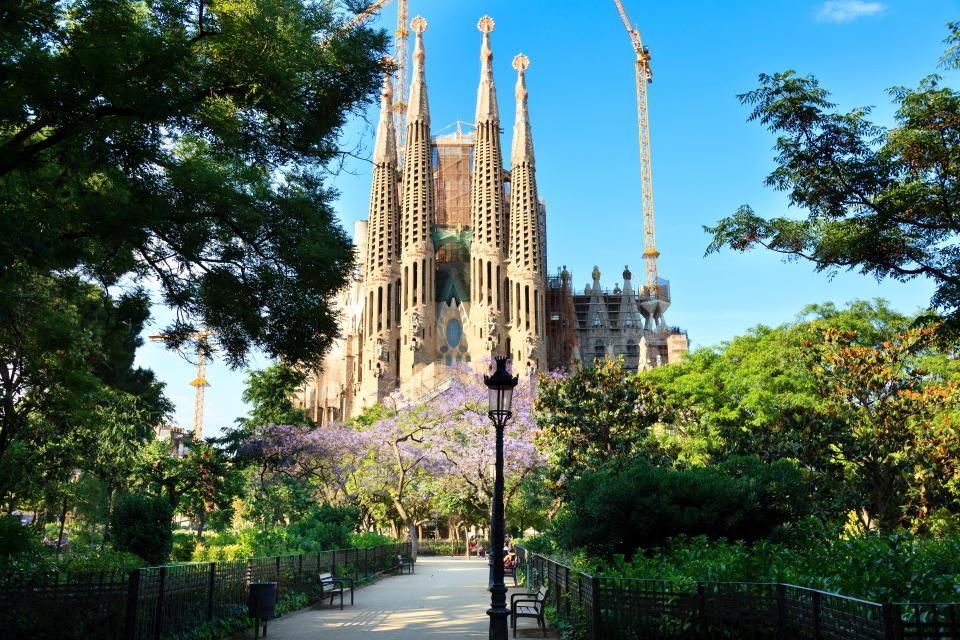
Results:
[333, 586]
[529, 605]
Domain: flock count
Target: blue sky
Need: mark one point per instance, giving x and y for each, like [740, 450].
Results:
[707, 159]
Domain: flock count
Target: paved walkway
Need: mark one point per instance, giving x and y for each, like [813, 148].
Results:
[446, 598]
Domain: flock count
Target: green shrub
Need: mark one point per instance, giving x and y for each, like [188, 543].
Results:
[184, 544]
[892, 568]
[325, 527]
[142, 525]
[370, 539]
[79, 559]
[620, 510]
[16, 538]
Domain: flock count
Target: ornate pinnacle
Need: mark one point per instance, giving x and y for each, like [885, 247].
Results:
[521, 62]
[486, 24]
[418, 24]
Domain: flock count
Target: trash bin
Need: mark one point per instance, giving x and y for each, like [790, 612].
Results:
[261, 603]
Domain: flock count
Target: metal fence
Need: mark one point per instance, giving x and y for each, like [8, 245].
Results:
[154, 603]
[613, 608]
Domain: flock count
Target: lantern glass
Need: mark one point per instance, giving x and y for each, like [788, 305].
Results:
[500, 400]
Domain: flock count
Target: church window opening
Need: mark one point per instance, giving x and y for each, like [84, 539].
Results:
[397, 317]
[489, 283]
[506, 301]
[389, 300]
[379, 308]
[415, 282]
[526, 306]
[536, 312]
[518, 305]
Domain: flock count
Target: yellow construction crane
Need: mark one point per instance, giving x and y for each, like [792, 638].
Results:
[400, 45]
[400, 55]
[644, 76]
[200, 382]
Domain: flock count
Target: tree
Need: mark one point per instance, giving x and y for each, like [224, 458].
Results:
[142, 525]
[464, 434]
[184, 144]
[594, 417]
[860, 400]
[209, 485]
[880, 201]
[70, 396]
[618, 509]
[900, 448]
[174, 145]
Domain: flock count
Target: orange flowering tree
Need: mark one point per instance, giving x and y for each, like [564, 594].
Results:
[899, 444]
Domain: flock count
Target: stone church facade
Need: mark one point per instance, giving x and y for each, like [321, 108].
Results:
[452, 255]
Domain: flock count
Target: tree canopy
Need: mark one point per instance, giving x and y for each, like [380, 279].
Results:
[184, 144]
[880, 201]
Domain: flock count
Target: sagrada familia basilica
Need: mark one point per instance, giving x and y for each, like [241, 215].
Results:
[453, 259]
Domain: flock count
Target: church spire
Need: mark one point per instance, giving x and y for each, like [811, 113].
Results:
[525, 242]
[487, 207]
[418, 108]
[522, 150]
[384, 216]
[489, 287]
[487, 110]
[418, 156]
[526, 268]
[385, 149]
[381, 285]
[417, 254]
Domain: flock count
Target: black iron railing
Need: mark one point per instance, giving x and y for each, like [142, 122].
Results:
[605, 607]
[154, 603]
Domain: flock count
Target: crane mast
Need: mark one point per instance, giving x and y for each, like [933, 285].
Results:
[364, 15]
[644, 76]
[400, 56]
[401, 44]
[200, 382]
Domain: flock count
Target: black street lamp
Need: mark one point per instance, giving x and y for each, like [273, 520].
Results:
[501, 385]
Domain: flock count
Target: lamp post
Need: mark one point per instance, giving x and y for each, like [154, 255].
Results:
[500, 386]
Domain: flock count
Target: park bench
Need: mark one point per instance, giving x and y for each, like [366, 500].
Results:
[529, 605]
[510, 570]
[331, 586]
[405, 562]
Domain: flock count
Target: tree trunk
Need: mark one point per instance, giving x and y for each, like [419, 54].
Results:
[202, 525]
[414, 540]
[63, 521]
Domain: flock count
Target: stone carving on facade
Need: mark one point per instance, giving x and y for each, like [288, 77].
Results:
[493, 322]
[416, 324]
[382, 353]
